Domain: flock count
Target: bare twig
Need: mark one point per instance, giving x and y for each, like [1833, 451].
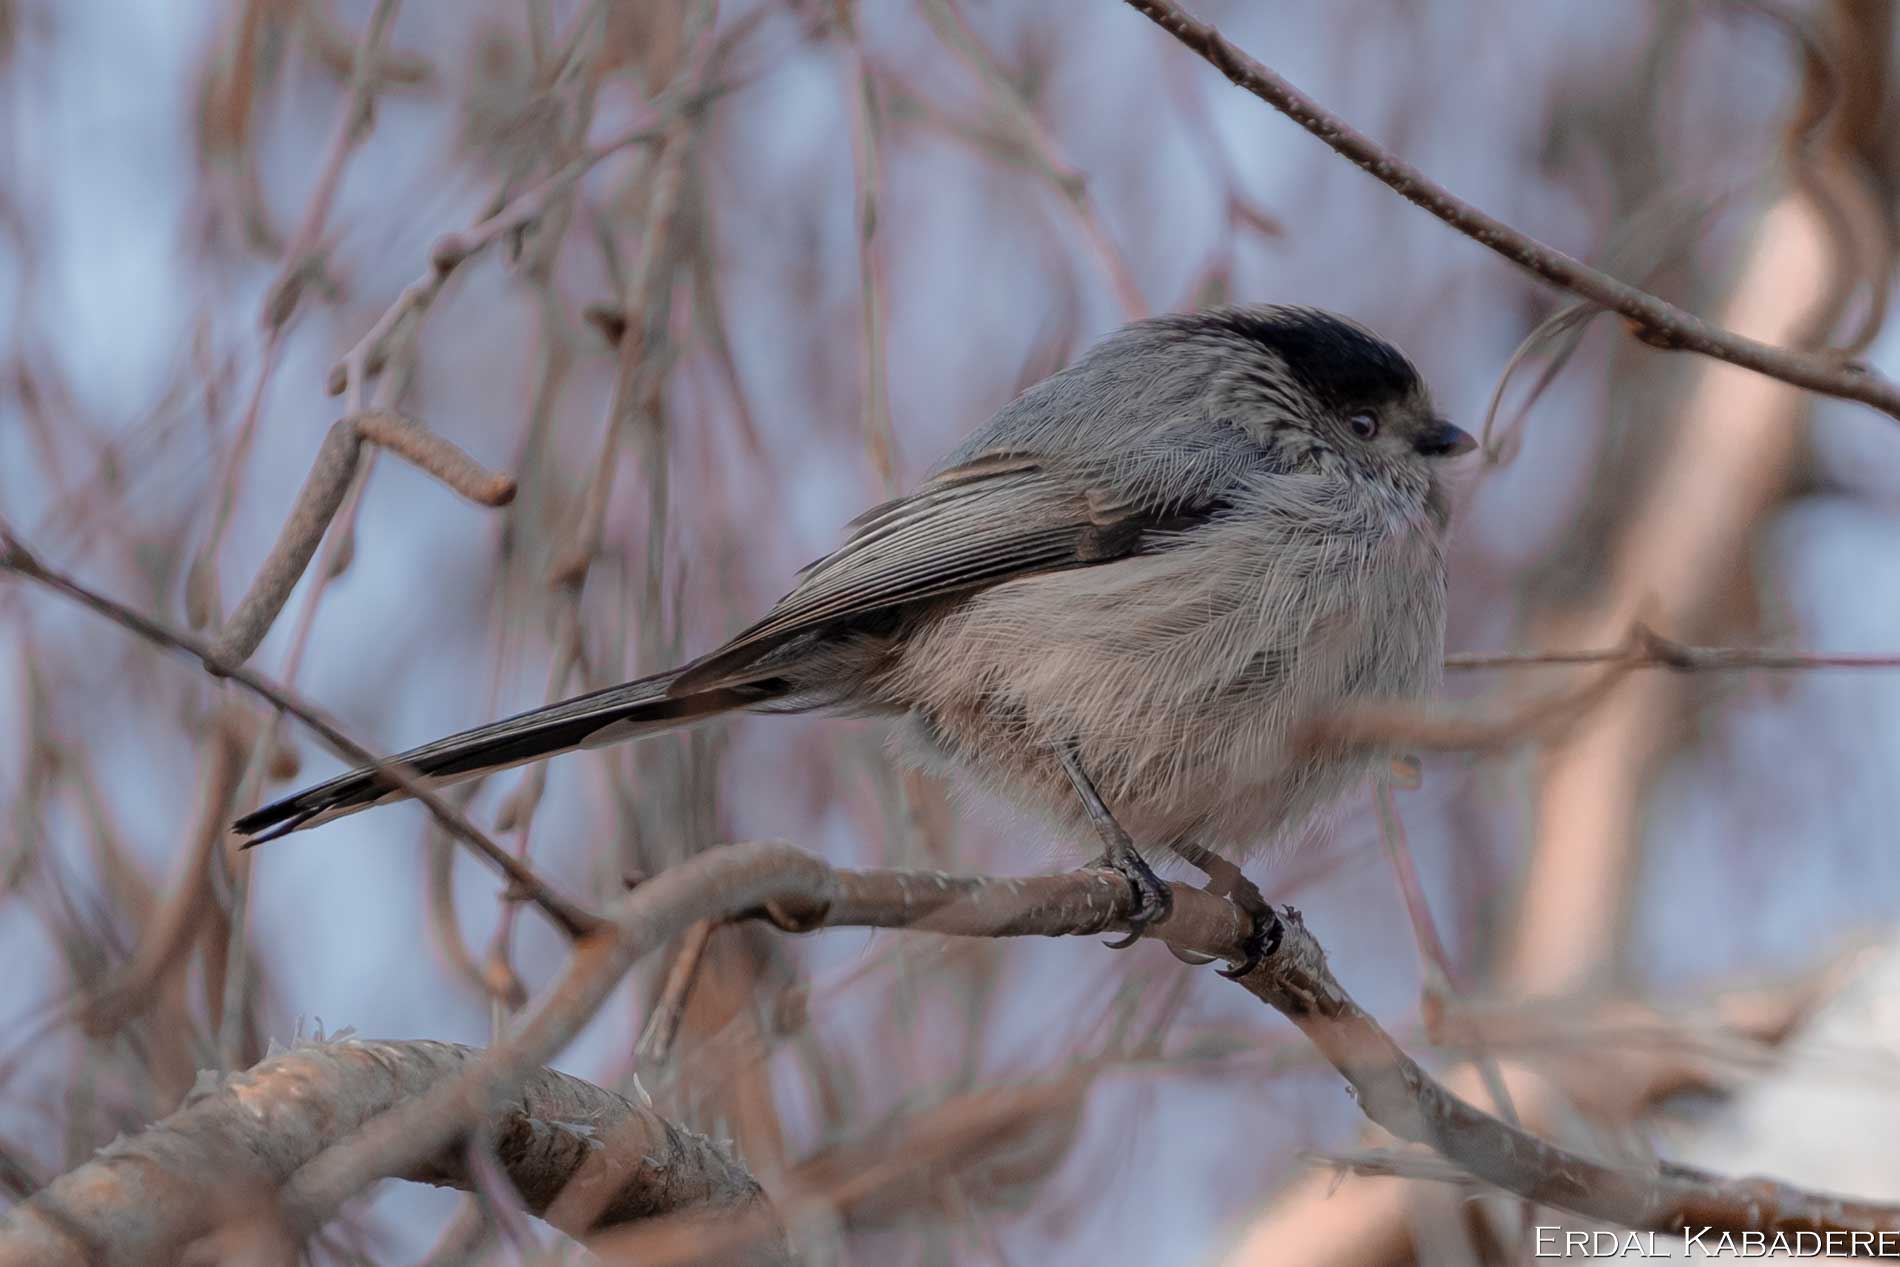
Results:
[352, 125]
[639, 371]
[165, 938]
[972, 1138]
[333, 47]
[571, 918]
[322, 495]
[301, 263]
[1651, 650]
[663, 1021]
[1018, 116]
[1442, 730]
[866, 137]
[452, 250]
[1655, 321]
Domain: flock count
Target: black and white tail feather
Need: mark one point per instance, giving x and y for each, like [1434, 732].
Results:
[628, 711]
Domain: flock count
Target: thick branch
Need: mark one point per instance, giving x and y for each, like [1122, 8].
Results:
[1654, 321]
[798, 891]
[564, 1145]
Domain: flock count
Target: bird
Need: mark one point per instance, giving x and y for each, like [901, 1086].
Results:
[1115, 605]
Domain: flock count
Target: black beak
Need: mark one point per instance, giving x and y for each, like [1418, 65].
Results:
[1442, 440]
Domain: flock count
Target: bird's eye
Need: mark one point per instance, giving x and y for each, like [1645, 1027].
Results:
[1364, 425]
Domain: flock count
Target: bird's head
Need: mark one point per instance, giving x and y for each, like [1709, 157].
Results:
[1326, 392]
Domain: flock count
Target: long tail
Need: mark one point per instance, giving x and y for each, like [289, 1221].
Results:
[586, 721]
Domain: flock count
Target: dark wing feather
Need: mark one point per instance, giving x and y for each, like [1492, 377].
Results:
[993, 519]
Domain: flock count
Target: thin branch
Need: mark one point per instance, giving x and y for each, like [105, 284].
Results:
[450, 251]
[302, 261]
[567, 915]
[1390, 1087]
[1038, 147]
[301, 258]
[167, 934]
[1440, 729]
[662, 1026]
[1655, 321]
[880, 443]
[1651, 650]
[324, 488]
[984, 1137]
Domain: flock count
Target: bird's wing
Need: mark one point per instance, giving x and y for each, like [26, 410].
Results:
[991, 519]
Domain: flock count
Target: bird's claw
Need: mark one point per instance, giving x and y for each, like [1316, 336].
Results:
[1154, 902]
[1264, 938]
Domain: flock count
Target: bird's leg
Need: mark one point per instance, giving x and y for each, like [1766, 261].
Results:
[1224, 879]
[1152, 899]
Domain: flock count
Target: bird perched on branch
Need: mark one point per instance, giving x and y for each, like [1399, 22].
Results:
[1114, 605]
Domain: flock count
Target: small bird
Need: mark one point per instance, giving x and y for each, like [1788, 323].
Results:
[1115, 605]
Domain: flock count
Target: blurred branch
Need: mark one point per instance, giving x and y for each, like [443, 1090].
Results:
[208, 1171]
[662, 1026]
[1441, 728]
[352, 125]
[1679, 555]
[302, 263]
[1039, 148]
[452, 250]
[987, 1139]
[1652, 320]
[1652, 650]
[322, 495]
[569, 917]
[180, 919]
[880, 444]
[333, 47]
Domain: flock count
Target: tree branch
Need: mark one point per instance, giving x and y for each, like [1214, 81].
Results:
[1655, 321]
[324, 488]
[570, 917]
[798, 891]
[565, 1145]
[1648, 649]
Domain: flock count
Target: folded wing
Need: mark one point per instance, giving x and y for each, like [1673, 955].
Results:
[990, 520]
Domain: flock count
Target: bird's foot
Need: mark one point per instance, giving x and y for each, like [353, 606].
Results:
[1153, 900]
[1265, 935]
[1224, 879]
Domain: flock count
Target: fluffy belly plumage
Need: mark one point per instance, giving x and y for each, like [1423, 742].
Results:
[1182, 693]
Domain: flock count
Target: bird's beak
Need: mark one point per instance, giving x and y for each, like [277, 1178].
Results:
[1442, 440]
